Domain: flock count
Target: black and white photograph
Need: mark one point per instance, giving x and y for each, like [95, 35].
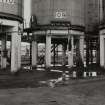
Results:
[52, 52]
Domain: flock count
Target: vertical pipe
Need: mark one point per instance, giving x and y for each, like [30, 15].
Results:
[98, 52]
[101, 10]
[70, 51]
[30, 52]
[34, 53]
[87, 51]
[3, 52]
[72, 43]
[64, 55]
[19, 51]
[54, 55]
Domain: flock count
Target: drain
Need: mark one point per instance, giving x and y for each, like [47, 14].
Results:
[53, 102]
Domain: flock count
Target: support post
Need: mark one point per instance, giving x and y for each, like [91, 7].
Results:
[81, 43]
[3, 53]
[19, 51]
[87, 52]
[102, 51]
[15, 50]
[48, 51]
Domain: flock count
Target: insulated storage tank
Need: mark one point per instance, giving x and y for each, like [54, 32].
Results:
[59, 10]
[102, 11]
[11, 9]
[92, 15]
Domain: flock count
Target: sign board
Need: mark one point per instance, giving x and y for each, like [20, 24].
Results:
[7, 1]
[61, 23]
[60, 14]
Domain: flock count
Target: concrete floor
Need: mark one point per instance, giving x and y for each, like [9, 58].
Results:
[23, 89]
[90, 93]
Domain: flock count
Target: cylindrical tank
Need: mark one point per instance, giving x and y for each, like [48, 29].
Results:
[102, 10]
[58, 10]
[11, 9]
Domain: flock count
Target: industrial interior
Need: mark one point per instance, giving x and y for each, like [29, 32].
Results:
[64, 33]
